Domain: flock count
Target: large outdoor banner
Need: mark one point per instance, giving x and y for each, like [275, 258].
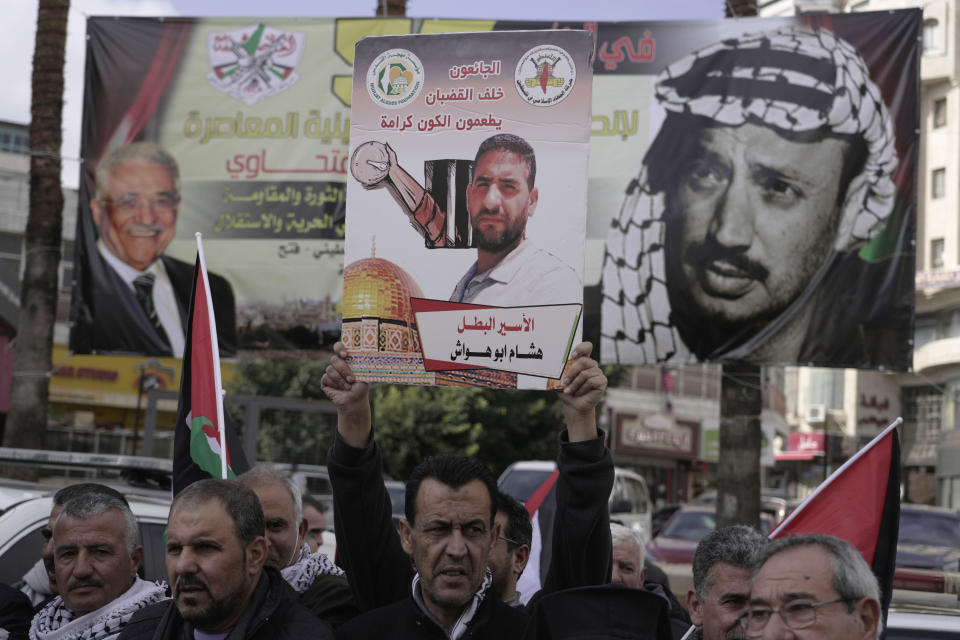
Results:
[752, 184]
[771, 215]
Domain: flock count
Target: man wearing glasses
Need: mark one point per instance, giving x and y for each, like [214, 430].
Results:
[813, 587]
[135, 299]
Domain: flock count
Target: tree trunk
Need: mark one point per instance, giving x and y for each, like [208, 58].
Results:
[738, 469]
[30, 390]
[740, 8]
[391, 7]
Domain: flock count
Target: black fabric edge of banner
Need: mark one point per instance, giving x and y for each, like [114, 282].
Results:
[885, 555]
[180, 478]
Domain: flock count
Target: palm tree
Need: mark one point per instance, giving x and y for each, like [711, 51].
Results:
[27, 420]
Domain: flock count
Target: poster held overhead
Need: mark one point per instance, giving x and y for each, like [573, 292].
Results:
[450, 277]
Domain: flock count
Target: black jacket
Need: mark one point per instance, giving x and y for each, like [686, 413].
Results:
[607, 611]
[679, 618]
[580, 545]
[15, 613]
[380, 572]
[106, 317]
[404, 620]
[272, 614]
[330, 599]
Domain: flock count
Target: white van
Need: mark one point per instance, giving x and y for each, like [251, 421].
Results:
[629, 501]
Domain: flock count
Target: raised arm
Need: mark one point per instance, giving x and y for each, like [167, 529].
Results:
[352, 399]
[425, 215]
[581, 529]
[368, 546]
[405, 187]
[585, 385]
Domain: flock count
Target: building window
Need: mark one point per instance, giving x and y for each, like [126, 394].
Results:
[939, 113]
[936, 253]
[938, 186]
[931, 37]
[826, 388]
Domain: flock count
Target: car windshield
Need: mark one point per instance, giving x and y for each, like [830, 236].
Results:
[521, 483]
[690, 526]
[929, 528]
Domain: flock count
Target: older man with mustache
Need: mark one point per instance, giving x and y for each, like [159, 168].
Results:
[96, 558]
[134, 299]
[772, 170]
[721, 582]
[216, 550]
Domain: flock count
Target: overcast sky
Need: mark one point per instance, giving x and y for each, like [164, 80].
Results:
[20, 17]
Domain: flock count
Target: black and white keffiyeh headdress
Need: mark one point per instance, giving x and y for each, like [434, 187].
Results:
[794, 79]
[301, 574]
[57, 622]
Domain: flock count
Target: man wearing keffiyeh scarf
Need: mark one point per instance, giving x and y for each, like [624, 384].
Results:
[773, 165]
[320, 584]
[96, 559]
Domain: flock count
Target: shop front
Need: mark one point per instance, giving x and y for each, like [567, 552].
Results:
[660, 447]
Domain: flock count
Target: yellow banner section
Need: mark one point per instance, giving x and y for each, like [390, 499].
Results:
[114, 381]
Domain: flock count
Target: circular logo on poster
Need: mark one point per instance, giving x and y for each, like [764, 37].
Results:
[545, 75]
[395, 78]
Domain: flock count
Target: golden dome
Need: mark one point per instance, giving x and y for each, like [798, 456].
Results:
[377, 288]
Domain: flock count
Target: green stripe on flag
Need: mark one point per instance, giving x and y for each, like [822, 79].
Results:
[205, 457]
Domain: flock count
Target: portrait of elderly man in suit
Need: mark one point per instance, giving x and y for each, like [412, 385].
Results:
[134, 298]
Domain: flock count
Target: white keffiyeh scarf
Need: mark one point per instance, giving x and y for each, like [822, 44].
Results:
[302, 573]
[460, 626]
[56, 621]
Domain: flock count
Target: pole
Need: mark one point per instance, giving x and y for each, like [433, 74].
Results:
[738, 468]
[136, 420]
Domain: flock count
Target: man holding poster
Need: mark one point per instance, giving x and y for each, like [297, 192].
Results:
[755, 212]
[510, 270]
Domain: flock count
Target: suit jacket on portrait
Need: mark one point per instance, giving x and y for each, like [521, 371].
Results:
[107, 319]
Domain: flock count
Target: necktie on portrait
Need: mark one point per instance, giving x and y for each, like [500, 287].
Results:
[143, 285]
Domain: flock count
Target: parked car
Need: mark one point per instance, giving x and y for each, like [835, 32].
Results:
[661, 515]
[929, 538]
[398, 493]
[678, 539]
[21, 540]
[629, 500]
[774, 505]
[918, 616]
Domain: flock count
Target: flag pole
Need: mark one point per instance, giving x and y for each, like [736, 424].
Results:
[823, 485]
[218, 382]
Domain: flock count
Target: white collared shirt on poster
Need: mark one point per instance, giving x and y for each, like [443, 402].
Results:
[164, 299]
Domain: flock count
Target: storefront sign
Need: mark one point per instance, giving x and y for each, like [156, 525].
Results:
[636, 435]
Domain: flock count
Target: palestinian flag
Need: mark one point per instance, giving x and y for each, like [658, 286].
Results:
[860, 503]
[201, 428]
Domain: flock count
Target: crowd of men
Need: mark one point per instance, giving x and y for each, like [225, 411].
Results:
[240, 562]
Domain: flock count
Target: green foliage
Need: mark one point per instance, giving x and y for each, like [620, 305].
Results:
[285, 435]
[497, 426]
[518, 425]
[410, 422]
[616, 373]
